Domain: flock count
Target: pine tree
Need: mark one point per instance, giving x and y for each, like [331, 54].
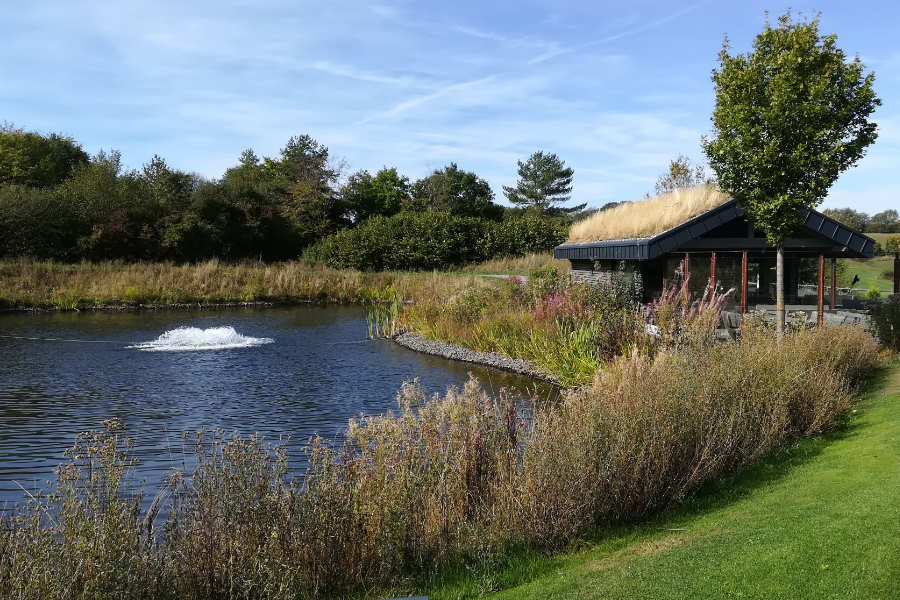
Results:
[544, 182]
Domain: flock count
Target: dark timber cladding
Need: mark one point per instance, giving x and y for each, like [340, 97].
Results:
[718, 249]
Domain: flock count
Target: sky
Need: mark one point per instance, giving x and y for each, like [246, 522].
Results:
[616, 89]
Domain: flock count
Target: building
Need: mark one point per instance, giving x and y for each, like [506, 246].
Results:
[702, 234]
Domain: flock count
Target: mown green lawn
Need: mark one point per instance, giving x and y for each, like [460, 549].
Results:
[818, 520]
[871, 272]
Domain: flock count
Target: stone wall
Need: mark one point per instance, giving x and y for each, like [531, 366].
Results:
[593, 272]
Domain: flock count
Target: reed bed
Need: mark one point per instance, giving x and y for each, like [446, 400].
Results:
[43, 284]
[448, 481]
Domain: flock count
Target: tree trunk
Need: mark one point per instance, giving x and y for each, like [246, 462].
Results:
[779, 292]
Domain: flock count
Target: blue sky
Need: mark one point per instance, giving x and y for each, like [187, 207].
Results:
[616, 89]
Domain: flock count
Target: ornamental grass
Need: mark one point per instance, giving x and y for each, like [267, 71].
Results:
[444, 482]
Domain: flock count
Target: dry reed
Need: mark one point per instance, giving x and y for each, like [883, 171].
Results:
[649, 217]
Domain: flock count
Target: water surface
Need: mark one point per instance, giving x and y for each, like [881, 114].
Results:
[316, 371]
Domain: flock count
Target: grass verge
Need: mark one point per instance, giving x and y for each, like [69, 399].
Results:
[817, 519]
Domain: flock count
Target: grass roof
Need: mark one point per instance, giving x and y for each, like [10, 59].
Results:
[649, 217]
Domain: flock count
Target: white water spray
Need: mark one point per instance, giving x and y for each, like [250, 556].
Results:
[185, 339]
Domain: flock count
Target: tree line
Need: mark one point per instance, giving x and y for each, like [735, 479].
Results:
[886, 221]
[56, 202]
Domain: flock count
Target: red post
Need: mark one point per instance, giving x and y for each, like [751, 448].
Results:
[833, 283]
[712, 274]
[744, 283]
[687, 265]
[821, 320]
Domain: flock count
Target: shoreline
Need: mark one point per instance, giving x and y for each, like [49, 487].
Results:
[153, 307]
[495, 360]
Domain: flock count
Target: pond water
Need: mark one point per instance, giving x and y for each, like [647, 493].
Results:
[278, 371]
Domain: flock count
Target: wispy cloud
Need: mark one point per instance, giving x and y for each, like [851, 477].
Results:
[353, 73]
[404, 84]
[545, 56]
[417, 101]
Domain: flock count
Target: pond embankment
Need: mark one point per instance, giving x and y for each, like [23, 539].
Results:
[519, 366]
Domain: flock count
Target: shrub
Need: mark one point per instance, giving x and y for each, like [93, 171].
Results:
[406, 241]
[886, 321]
[892, 244]
[433, 240]
[34, 222]
[874, 292]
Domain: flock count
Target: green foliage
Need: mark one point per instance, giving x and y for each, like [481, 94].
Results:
[874, 293]
[886, 321]
[681, 174]
[789, 118]
[433, 240]
[887, 221]
[384, 195]
[544, 182]
[35, 160]
[34, 223]
[456, 192]
[855, 219]
[892, 245]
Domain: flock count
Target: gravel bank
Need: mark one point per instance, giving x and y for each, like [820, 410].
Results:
[414, 341]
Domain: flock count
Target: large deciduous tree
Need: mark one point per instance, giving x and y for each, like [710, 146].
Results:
[383, 194]
[544, 183]
[457, 192]
[789, 117]
[35, 160]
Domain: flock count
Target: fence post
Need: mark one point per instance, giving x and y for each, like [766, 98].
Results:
[744, 284]
[897, 272]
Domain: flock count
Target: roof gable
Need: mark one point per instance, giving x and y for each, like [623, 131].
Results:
[833, 238]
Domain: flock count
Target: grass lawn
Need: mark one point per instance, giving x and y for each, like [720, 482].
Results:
[871, 272]
[818, 520]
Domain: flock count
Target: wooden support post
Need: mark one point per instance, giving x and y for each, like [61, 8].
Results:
[687, 265]
[897, 272]
[821, 292]
[833, 283]
[712, 275]
[744, 283]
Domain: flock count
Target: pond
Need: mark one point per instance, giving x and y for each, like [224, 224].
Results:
[278, 371]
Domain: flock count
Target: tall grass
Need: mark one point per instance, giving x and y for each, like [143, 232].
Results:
[566, 328]
[444, 481]
[27, 283]
[647, 217]
[519, 265]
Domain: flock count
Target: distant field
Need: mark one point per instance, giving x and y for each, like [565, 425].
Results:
[881, 237]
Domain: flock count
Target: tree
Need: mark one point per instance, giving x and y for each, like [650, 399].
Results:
[544, 181]
[887, 221]
[681, 174]
[849, 217]
[789, 117]
[457, 192]
[366, 196]
[28, 158]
